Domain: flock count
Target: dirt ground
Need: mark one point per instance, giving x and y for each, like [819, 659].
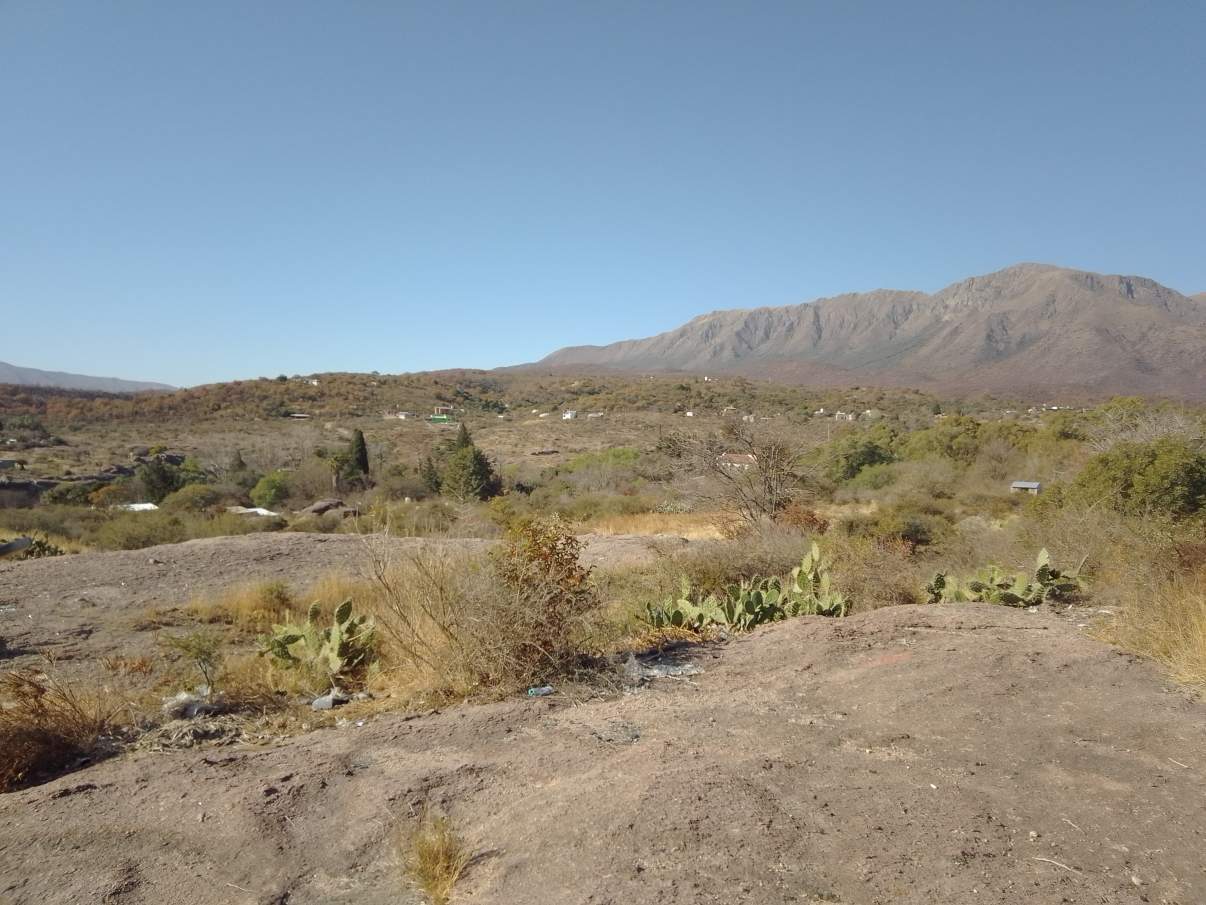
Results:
[962, 754]
[89, 605]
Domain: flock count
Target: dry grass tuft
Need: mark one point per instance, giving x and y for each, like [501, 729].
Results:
[250, 607]
[256, 608]
[459, 624]
[691, 525]
[434, 857]
[1168, 627]
[46, 728]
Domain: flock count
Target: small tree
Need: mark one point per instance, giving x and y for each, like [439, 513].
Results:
[463, 439]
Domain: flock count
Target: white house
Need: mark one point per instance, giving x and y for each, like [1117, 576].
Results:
[1031, 487]
[569, 415]
[738, 461]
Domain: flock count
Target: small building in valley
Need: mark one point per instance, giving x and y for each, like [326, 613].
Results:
[738, 461]
[1031, 487]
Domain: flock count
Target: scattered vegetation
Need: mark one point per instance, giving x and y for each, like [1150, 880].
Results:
[791, 512]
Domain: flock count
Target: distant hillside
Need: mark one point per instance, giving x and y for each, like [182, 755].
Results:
[11, 374]
[1027, 328]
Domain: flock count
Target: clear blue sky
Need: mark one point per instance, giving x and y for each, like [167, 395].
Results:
[202, 191]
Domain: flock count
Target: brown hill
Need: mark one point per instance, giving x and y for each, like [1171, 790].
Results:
[1027, 327]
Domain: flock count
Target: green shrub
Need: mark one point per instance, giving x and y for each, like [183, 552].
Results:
[191, 498]
[849, 455]
[135, 530]
[71, 493]
[873, 477]
[271, 489]
[956, 438]
[898, 523]
[1165, 476]
[203, 648]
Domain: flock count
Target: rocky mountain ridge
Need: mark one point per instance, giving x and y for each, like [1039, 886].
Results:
[1027, 327]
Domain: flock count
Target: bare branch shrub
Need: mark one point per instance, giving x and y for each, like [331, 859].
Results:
[753, 474]
[46, 728]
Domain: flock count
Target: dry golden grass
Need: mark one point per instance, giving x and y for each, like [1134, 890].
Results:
[434, 857]
[253, 607]
[46, 727]
[257, 607]
[1168, 626]
[691, 525]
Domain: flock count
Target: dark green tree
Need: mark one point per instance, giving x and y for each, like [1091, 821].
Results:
[468, 475]
[159, 479]
[430, 475]
[359, 460]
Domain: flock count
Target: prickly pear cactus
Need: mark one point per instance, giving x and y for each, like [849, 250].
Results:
[335, 650]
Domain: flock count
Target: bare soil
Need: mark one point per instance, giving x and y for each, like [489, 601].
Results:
[968, 754]
[92, 605]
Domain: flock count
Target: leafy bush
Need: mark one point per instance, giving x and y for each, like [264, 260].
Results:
[992, 585]
[191, 498]
[135, 530]
[160, 479]
[271, 489]
[1167, 475]
[898, 523]
[849, 455]
[956, 438]
[71, 493]
[873, 477]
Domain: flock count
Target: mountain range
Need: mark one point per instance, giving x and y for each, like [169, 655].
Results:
[1027, 328]
[13, 374]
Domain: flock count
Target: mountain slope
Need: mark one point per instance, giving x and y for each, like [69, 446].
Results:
[1025, 327]
[34, 377]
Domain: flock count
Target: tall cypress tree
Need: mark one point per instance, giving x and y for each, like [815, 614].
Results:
[359, 453]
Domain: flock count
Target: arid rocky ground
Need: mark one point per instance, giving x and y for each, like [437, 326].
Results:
[90, 605]
[969, 754]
